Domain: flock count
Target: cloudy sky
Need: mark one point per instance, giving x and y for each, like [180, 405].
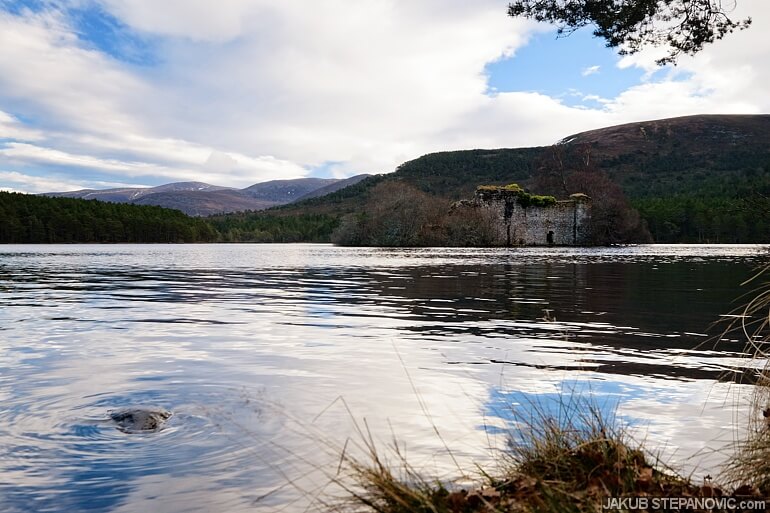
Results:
[106, 93]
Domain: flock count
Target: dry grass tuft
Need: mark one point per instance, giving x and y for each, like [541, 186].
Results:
[583, 455]
[552, 466]
[375, 484]
[750, 465]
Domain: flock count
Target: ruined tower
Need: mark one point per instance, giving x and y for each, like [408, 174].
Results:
[523, 219]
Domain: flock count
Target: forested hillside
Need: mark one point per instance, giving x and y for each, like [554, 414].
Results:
[693, 179]
[26, 218]
[729, 209]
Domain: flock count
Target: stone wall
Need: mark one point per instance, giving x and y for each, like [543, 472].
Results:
[564, 223]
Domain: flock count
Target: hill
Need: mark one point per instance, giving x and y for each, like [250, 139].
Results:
[129, 194]
[286, 191]
[694, 179]
[202, 199]
[672, 156]
[333, 187]
[205, 203]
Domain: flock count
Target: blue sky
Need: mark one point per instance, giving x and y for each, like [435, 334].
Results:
[102, 93]
[573, 68]
[100, 30]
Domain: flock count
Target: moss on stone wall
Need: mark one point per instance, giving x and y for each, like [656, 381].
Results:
[523, 198]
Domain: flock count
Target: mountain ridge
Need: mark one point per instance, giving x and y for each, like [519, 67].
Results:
[203, 199]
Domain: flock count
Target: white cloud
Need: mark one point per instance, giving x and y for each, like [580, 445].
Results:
[43, 68]
[94, 110]
[254, 90]
[595, 98]
[239, 169]
[37, 184]
[521, 119]
[11, 128]
[196, 20]
[590, 70]
[340, 82]
[16, 152]
[180, 156]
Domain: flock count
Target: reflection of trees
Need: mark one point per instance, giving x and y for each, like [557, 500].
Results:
[615, 307]
[637, 306]
[616, 304]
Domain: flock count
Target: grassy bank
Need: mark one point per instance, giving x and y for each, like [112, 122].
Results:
[559, 465]
[575, 461]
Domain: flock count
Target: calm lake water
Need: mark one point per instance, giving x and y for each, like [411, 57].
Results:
[270, 355]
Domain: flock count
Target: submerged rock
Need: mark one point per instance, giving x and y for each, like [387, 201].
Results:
[140, 420]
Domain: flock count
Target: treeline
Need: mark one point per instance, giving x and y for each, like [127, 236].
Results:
[688, 219]
[269, 227]
[30, 219]
[721, 209]
[26, 218]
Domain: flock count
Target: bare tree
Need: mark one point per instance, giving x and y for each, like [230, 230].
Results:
[471, 226]
[572, 169]
[613, 219]
[551, 173]
[396, 214]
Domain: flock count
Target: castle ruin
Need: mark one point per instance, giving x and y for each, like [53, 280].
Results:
[522, 219]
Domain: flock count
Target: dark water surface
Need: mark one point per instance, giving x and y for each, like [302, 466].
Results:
[253, 348]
